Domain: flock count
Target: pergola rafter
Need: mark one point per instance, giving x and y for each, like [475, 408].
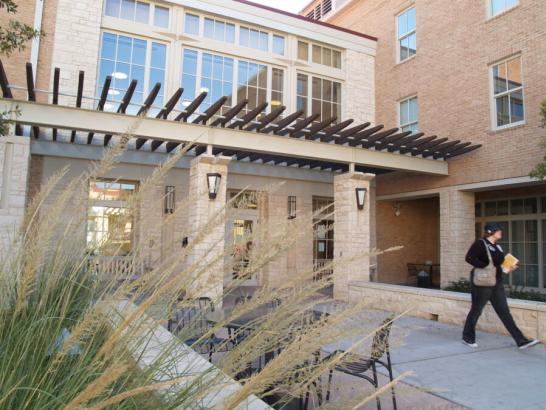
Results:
[335, 144]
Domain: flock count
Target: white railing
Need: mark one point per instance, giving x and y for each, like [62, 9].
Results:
[119, 267]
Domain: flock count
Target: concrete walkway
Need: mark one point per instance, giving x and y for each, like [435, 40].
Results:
[495, 376]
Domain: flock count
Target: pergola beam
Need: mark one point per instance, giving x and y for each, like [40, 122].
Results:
[55, 116]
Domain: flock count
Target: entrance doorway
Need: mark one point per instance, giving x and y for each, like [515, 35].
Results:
[241, 222]
[323, 240]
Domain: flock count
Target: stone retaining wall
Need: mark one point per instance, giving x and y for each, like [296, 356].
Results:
[448, 307]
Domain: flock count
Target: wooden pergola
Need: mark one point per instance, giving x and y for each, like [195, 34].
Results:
[274, 137]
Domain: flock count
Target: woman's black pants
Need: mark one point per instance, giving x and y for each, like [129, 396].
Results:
[496, 295]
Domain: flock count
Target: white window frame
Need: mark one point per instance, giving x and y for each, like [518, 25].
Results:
[539, 216]
[147, 67]
[407, 99]
[309, 60]
[409, 33]
[310, 92]
[504, 10]
[493, 96]
[235, 84]
[151, 14]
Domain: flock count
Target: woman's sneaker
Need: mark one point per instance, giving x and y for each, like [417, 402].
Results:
[470, 344]
[525, 343]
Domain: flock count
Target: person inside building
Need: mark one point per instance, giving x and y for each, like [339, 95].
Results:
[478, 257]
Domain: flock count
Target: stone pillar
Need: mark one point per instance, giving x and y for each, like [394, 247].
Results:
[457, 232]
[14, 167]
[352, 232]
[211, 283]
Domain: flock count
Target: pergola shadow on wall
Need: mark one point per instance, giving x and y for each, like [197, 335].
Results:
[252, 135]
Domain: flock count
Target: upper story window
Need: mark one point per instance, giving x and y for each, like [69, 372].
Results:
[252, 38]
[224, 76]
[125, 59]
[278, 44]
[498, 6]
[316, 95]
[507, 87]
[406, 34]
[137, 11]
[219, 30]
[409, 115]
[319, 54]
[191, 24]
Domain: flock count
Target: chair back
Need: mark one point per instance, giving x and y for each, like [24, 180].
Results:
[380, 344]
[239, 300]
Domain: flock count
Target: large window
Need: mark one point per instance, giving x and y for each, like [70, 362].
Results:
[127, 58]
[217, 75]
[252, 38]
[508, 105]
[319, 54]
[407, 37]
[252, 82]
[523, 221]
[498, 6]
[316, 95]
[137, 11]
[110, 220]
[409, 115]
[219, 30]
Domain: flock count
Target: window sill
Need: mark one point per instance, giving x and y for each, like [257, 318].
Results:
[501, 14]
[509, 127]
[398, 63]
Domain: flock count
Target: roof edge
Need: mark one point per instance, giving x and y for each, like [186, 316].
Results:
[300, 17]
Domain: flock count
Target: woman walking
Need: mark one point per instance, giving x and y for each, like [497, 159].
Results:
[480, 255]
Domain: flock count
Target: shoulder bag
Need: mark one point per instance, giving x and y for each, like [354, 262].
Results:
[486, 277]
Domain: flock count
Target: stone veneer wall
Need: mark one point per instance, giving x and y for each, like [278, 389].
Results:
[448, 307]
[14, 166]
[76, 47]
[359, 101]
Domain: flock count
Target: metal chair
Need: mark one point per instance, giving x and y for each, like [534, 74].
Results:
[357, 365]
[193, 318]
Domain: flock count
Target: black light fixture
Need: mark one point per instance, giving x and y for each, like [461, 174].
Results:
[213, 182]
[361, 197]
[169, 199]
[291, 207]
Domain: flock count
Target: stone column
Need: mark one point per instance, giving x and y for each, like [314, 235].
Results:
[457, 232]
[211, 283]
[352, 232]
[14, 168]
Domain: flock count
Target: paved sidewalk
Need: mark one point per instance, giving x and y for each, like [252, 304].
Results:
[495, 376]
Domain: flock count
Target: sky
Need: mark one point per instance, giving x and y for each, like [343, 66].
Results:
[293, 6]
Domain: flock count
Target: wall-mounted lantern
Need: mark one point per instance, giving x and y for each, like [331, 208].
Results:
[361, 197]
[169, 199]
[291, 207]
[213, 182]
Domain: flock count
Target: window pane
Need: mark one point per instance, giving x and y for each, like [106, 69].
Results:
[404, 112]
[302, 85]
[209, 28]
[317, 88]
[411, 19]
[255, 39]
[278, 45]
[402, 24]
[264, 41]
[159, 55]
[543, 210]
[142, 13]
[514, 73]
[531, 275]
[499, 78]
[518, 231]
[326, 56]
[317, 54]
[336, 57]
[244, 37]
[404, 51]
[303, 51]
[503, 117]
[109, 46]
[502, 208]
[336, 96]
[491, 208]
[161, 17]
[530, 206]
[412, 44]
[516, 206]
[516, 106]
[139, 52]
[219, 30]
[478, 209]
[497, 6]
[413, 110]
[128, 9]
[112, 8]
[230, 33]
[191, 24]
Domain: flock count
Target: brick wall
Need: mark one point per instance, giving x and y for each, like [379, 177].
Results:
[450, 74]
[417, 229]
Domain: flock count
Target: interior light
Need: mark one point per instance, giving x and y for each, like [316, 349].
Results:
[113, 92]
[204, 90]
[119, 75]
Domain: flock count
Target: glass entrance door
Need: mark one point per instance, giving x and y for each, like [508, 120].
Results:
[240, 242]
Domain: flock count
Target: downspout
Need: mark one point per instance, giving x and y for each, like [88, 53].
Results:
[35, 50]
